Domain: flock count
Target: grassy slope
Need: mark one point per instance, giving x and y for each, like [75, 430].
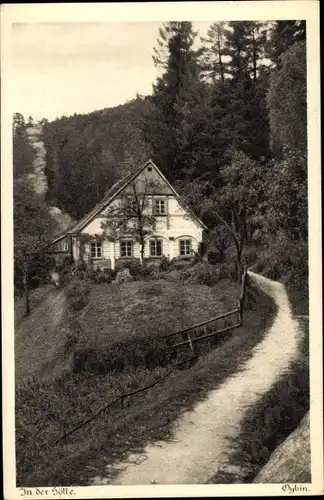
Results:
[38, 337]
[43, 412]
[136, 309]
[115, 313]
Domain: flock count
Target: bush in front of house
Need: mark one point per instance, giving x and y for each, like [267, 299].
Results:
[181, 263]
[123, 276]
[133, 265]
[99, 275]
[164, 265]
[207, 274]
[138, 271]
[78, 294]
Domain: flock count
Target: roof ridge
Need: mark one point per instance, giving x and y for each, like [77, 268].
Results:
[117, 186]
[115, 189]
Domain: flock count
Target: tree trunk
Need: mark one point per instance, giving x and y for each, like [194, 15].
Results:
[142, 254]
[26, 292]
[254, 58]
[220, 63]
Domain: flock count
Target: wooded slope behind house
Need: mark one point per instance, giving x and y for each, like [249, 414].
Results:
[87, 153]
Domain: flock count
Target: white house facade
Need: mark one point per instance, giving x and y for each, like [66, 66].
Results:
[176, 231]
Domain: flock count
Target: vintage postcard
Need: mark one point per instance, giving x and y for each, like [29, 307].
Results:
[161, 249]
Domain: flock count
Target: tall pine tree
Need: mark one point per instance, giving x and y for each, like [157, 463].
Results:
[176, 56]
[282, 35]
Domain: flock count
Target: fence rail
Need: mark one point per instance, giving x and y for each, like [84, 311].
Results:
[209, 328]
[122, 398]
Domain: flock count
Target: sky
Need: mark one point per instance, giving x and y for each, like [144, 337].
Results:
[66, 68]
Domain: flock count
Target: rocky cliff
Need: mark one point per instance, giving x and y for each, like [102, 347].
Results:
[38, 178]
[291, 461]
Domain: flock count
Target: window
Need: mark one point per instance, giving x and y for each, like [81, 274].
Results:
[96, 250]
[126, 248]
[65, 246]
[185, 247]
[156, 248]
[160, 206]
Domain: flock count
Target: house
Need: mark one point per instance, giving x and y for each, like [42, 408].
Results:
[175, 230]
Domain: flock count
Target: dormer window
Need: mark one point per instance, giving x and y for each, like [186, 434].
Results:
[160, 206]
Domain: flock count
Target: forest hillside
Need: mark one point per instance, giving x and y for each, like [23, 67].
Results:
[227, 126]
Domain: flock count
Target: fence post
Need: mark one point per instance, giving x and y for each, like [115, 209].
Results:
[242, 296]
[191, 345]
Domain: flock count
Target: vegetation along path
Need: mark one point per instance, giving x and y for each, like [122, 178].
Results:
[202, 439]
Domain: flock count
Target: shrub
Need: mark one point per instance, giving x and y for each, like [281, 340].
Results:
[133, 265]
[144, 353]
[78, 294]
[197, 274]
[123, 276]
[181, 263]
[285, 258]
[164, 264]
[98, 275]
[207, 274]
[149, 272]
[39, 267]
[227, 270]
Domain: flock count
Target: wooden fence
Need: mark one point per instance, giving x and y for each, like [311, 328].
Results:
[191, 339]
[210, 328]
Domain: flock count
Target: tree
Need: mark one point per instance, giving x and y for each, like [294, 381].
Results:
[232, 209]
[132, 215]
[239, 116]
[33, 226]
[22, 151]
[287, 102]
[87, 154]
[176, 56]
[212, 58]
[287, 207]
[244, 46]
[282, 35]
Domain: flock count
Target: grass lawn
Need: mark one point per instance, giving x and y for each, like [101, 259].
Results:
[44, 412]
[39, 337]
[136, 309]
[116, 316]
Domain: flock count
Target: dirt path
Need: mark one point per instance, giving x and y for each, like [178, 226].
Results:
[201, 441]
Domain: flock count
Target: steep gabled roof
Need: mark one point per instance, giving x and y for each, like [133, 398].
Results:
[115, 190]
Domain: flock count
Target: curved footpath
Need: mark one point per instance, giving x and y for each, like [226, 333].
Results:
[202, 438]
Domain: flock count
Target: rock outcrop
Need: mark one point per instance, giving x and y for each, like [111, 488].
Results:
[38, 179]
[291, 461]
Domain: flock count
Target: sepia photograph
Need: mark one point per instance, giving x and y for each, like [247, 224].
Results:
[161, 256]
